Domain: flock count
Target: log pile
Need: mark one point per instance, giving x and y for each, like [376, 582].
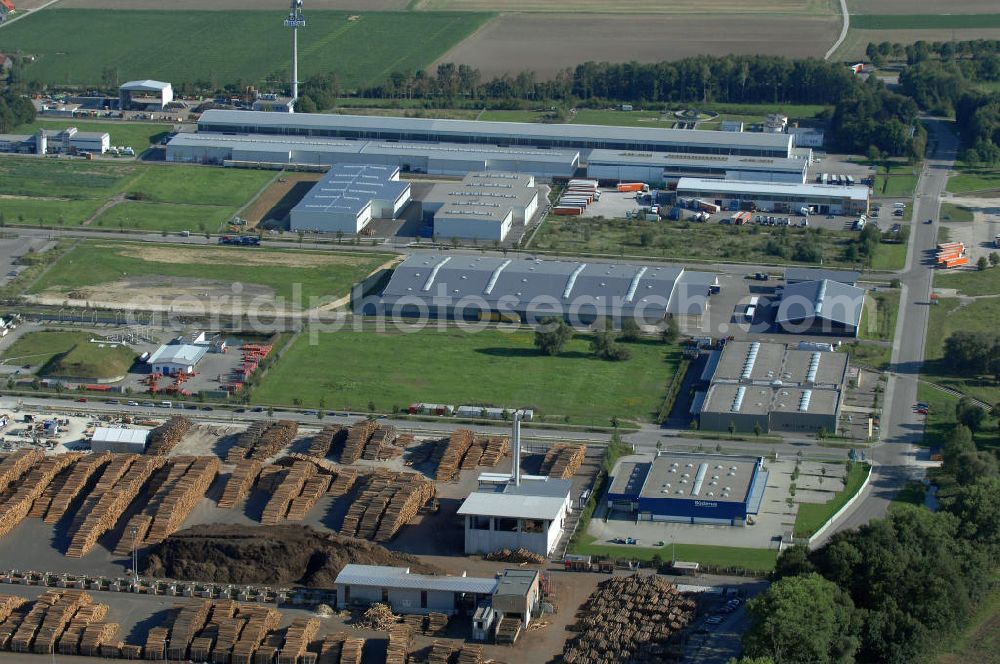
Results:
[55, 619]
[441, 652]
[449, 456]
[191, 618]
[291, 486]
[331, 648]
[381, 444]
[351, 650]
[17, 464]
[263, 440]
[472, 457]
[563, 460]
[508, 629]
[96, 635]
[628, 618]
[77, 479]
[260, 621]
[189, 481]
[388, 502]
[9, 604]
[246, 442]
[322, 465]
[379, 617]
[495, 448]
[10, 625]
[165, 437]
[470, 655]
[16, 506]
[105, 505]
[323, 442]
[399, 644]
[297, 638]
[314, 489]
[357, 438]
[437, 623]
[156, 643]
[240, 483]
[515, 556]
[343, 482]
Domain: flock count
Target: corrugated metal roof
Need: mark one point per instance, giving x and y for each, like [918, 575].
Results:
[512, 506]
[400, 577]
[120, 435]
[178, 353]
[350, 188]
[146, 85]
[669, 159]
[589, 136]
[824, 299]
[796, 274]
[857, 193]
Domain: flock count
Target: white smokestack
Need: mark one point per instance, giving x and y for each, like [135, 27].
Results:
[517, 448]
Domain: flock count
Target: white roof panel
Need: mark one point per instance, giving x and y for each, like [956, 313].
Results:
[512, 506]
[858, 193]
[120, 435]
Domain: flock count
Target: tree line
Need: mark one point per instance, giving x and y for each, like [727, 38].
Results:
[15, 110]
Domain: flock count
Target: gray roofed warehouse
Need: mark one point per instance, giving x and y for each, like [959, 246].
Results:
[471, 287]
[821, 307]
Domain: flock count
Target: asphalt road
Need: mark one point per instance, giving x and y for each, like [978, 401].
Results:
[902, 428]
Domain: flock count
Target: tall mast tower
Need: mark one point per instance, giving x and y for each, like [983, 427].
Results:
[295, 20]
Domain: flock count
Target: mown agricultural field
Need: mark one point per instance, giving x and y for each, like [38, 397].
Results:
[631, 6]
[348, 369]
[74, 46]
[924, 21]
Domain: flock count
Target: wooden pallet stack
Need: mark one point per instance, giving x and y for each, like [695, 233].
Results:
[399, 644]
[166, 437]
[437, 623]
[350, 652]
[357, 438]
[470, 655]
[495, 448]
[15, 508]
[246, 441]
[343, 482]
[97, 635]
[323, 442]
[240, 483]
[297, 638]
[290, 488]
[314, 488]
[563, 460]
[17, 464]
[102, 509]
[76, 481]
[441, 652]
[156, 644]
[190, 620]
[451, 454]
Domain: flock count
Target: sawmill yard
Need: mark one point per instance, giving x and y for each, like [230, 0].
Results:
[348, 369]
[122, 274]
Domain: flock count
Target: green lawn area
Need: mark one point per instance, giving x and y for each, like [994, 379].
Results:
[63, 192]
[323, 275]
[39, 348]
[621, 118]
[138, 135]
[349, 368]
[714, 556]
[947, 317]
[73, 46]
[697, 241]
[974, 179]
[92, 361]
[889, 257]
[512, 116]
[924, 21]
[876, 356]
[941, 418]
[895, 185]
[952, 212]
[811, 516]
[440, 113]
[878, 321]
[986, 282]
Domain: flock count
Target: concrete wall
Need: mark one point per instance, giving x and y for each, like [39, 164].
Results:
[720, 420]
[804, 422]
[487, 541]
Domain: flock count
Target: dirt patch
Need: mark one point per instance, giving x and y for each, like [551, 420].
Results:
[857, 41]
[202, 256]
[275, 202]
[16, 197]
[548, 43]
[226, 5]
[156, 291]
[276, 555]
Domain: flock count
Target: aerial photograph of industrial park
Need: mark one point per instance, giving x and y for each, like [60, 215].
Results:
[500, 331]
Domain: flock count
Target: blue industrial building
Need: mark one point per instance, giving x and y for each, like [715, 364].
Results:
[689, 488]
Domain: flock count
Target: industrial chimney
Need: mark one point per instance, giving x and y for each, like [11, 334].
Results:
[517, 447]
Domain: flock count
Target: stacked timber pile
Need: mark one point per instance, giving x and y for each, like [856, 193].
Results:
[388, 502]
[331, 648]
[165, 437]
[351, 650]
[77, 479]
[516, 556]
[357, 438]
[17, 464]
[56, 619]
[240, 483]
[470, 655]
[472, 457]
[290, 488]
[9, 626]
[97, 635]
[263, 440]
[260, 621]
[9, 604]
[86, 615]
[297, 638]
[628, 618]
[450, 455]
[156, 643]
[41, 504]
[495, 448]
[343, 482]
[323, 465]
[246, 442]
[15, 507]
[314, 488]
[437, 623]
[267, 652]
[441, 652]
[381, 444]
[508, 629]
[399, 644]
[563, 460]
[190, 620]
[323, 442]
[102, 509]
[379, 617]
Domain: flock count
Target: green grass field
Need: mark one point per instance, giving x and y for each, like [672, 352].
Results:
[688, 240]
[941, 419]
[762, 560]
[878, 321]
[92, 361]
[877, 356]
[73, 46]
[924, 21]
[39, 348]
[322, 275]
[138, 135]
[969, 180]
[812, 516]
[895, 186]
[175, 197]
[986, 282]
[952, 212]
[348, 369]
[948, 316]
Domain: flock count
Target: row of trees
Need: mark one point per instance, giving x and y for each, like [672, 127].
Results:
[889, 591]
[873, 116]
[15, 110]
[921, 51]
[553, 333]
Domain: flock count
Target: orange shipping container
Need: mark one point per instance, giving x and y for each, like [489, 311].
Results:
[631, 186]
[957, 262]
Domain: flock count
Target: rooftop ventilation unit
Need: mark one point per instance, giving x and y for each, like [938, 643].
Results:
[814, 361]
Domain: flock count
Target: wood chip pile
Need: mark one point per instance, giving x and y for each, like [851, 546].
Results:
[263, 440]
[20, 496]
[357, 438]
[379, 617]
[515, 556]
[240, 483]
[108, 501]
[166, 437]
[399, 644]
[628, 618]
[297, 638]
[563, 460]
[388, 502]
[324, 441]
[449, 456]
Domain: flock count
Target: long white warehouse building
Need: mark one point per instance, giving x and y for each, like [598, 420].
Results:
[777, 197]
[506, 134]
[655, 167]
